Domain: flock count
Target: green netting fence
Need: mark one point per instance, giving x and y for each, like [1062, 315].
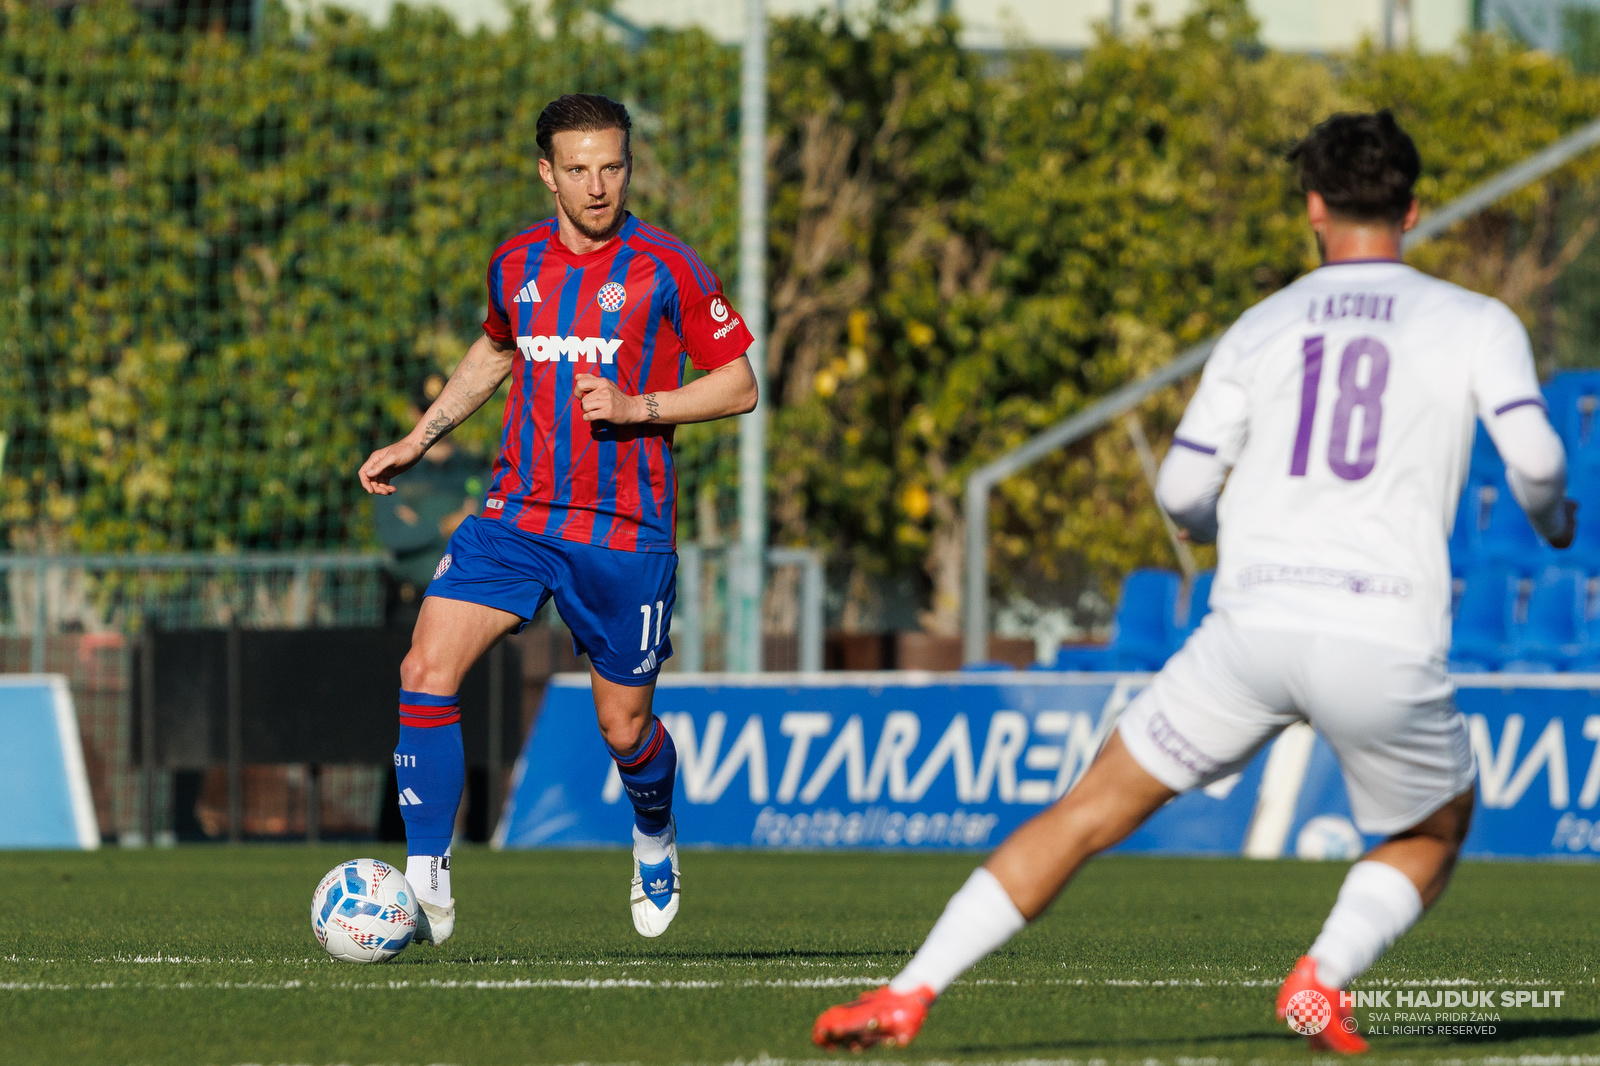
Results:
[225, 269]
[232, 245]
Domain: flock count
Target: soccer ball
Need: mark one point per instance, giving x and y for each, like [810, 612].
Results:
[1328, 836]
[364, 911]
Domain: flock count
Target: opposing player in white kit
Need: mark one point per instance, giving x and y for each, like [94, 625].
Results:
[1340, 413]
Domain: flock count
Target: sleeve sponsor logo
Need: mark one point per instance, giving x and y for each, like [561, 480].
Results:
[719, 309]
[552, 349]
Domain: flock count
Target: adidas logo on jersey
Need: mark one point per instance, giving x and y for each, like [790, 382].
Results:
[528, 295]
[551, 349]
[648, 665]
[409, 798]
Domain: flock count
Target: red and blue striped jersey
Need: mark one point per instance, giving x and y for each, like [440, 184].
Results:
[630, 311]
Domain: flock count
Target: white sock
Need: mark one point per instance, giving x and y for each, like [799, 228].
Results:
[977, 920]
[429, 877]
[650, 849]
[1376, 904]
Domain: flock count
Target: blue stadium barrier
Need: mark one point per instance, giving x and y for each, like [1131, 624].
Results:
[1509, 539]
[1584, 487]
[1481, 638]
[1463, 535]
[941, 761]
[1075, 657]
[1198, 606]
[1574, 402]
[1142, 634]
[1485, 467]
[1144, 631]
[1491, 539]
[1554, 631]
[44, 788]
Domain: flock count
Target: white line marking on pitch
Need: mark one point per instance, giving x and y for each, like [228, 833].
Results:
[589, 984]
[630, 983]
[662, 964]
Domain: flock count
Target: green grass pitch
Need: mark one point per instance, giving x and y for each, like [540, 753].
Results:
[205, 955]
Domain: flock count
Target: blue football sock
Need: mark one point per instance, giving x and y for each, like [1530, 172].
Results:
[430, 768]
[647, 777]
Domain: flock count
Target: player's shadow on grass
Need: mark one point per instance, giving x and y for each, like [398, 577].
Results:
[524, 959]
[1270, 1036]
[1521, 1029]
[787, 953]
[1532, 1029]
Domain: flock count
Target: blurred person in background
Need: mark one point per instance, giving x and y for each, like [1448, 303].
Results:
[416, 521]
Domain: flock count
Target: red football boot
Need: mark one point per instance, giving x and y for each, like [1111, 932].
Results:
[1313, 1009]
[881, 1016]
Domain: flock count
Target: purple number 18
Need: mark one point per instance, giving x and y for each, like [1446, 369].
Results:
[1354, 395]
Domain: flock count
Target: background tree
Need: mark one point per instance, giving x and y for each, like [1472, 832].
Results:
[223, 271]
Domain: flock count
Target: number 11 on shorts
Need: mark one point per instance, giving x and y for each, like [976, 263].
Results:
[644, 629]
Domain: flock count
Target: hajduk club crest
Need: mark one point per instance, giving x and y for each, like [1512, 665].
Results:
[612, 296]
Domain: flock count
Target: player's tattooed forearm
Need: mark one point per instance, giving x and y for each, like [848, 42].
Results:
[652, 406]
[437, 427]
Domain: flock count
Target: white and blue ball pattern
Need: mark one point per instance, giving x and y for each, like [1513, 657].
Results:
[364, 911]
[1328, 836]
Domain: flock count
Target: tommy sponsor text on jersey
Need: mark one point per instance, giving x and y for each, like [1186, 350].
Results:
[632, 311]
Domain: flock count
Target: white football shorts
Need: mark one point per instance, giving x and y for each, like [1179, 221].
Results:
[1389, 715]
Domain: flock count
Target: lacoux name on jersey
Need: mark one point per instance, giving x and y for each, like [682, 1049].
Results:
[1373, 306]
[551, 349]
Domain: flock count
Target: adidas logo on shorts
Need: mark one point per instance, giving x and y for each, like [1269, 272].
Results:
[648, 665]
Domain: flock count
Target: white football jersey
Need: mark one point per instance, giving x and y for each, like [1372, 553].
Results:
[1345, 405]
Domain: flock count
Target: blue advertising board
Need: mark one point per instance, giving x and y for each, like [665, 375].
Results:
[43, 786]
[892, 760]
[1535, 741]
[912, 760]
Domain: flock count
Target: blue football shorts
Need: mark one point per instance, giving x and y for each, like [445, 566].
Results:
[618, 604]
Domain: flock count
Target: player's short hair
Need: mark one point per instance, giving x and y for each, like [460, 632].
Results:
[1363, 165]
[585, 112]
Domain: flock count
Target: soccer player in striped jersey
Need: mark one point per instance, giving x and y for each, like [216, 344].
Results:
[1340, 413]
[592, 314]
